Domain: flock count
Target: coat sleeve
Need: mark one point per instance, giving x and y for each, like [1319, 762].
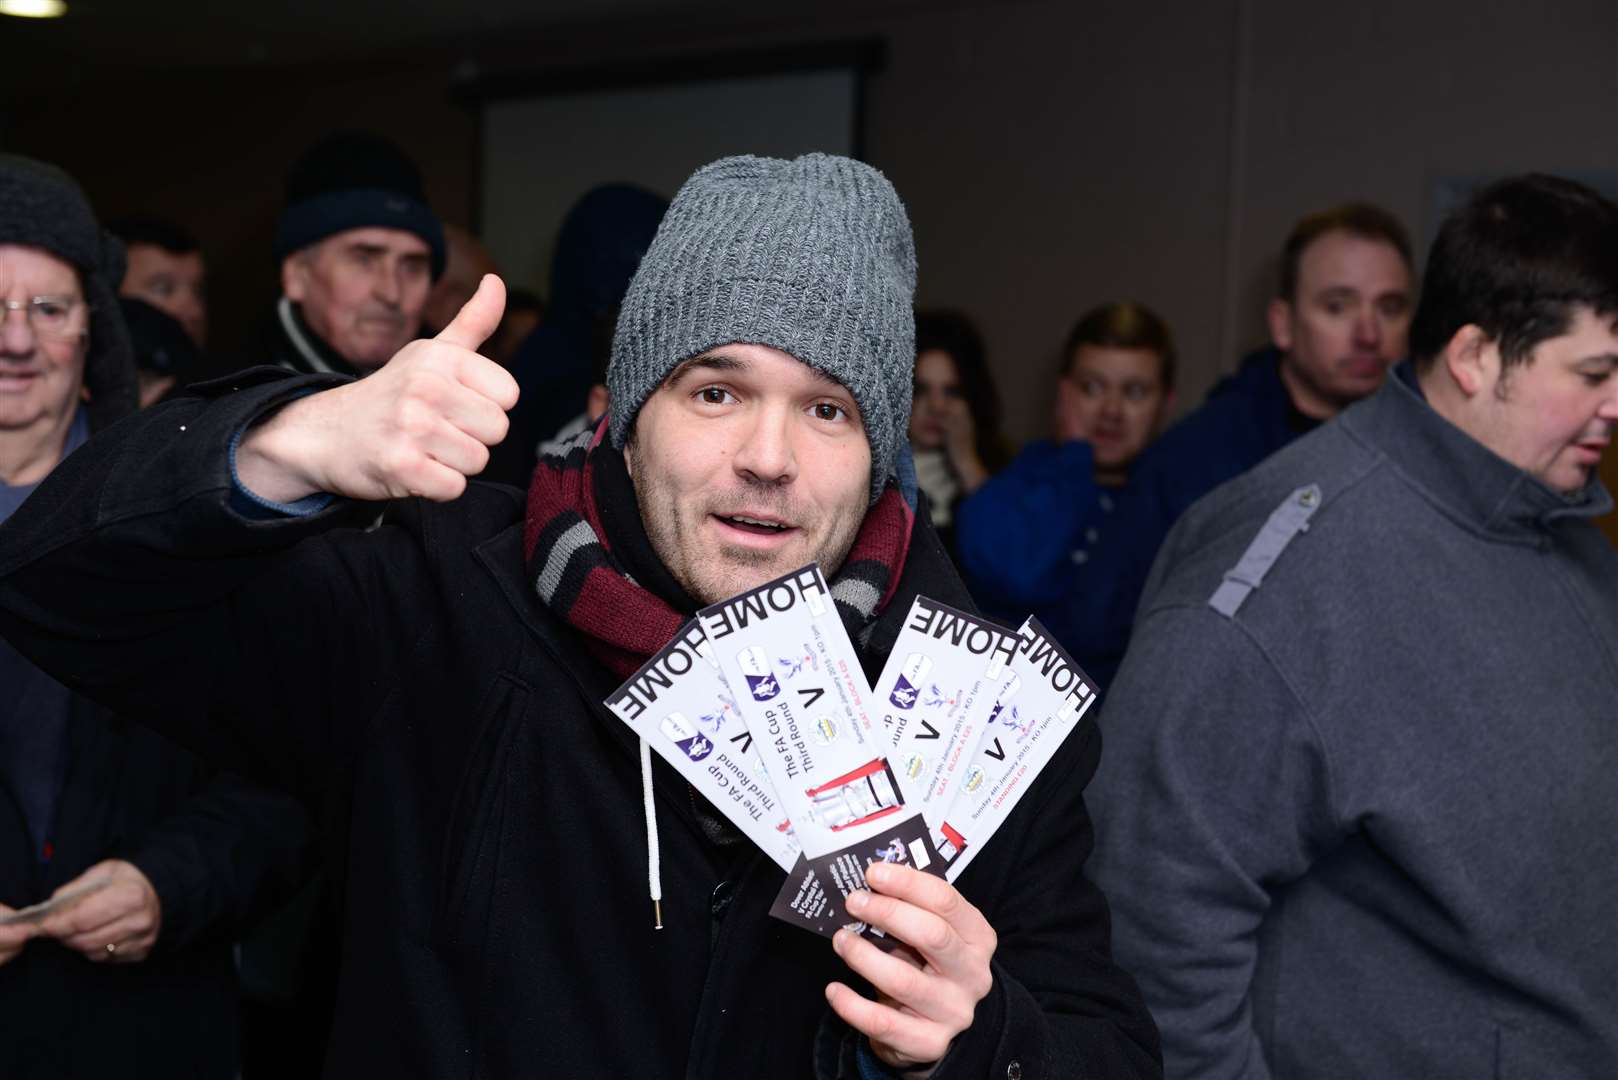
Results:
[1016, 533]
[230, 853]
[130, 578]
[1215, 792]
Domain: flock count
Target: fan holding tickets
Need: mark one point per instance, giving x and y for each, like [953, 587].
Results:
[529, 889]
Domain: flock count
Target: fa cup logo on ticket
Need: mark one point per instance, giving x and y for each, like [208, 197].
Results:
[911, 676]
[761, 679]
[695, 744]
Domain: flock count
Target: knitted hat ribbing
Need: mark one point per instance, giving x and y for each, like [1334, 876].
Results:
[812, 256]
[354, 181]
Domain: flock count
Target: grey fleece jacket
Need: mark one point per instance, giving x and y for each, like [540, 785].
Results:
[1363, 821]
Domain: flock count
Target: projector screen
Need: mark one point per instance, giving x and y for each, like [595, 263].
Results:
[541, 154]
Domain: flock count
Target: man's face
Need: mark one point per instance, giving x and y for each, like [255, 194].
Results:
[1554, 415]
[362, 291]
[41, 360]
[748, 464]
[1348, 321]
[171, 283]
[1114, 399]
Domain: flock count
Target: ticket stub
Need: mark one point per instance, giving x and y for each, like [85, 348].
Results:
[815, 890]
[680, 704]
[800, 688]
[1052, 697]
[946, 670]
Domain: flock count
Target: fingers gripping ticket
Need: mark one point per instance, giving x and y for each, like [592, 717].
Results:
[926, 998]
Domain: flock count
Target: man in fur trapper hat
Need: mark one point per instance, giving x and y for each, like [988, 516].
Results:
[148, 858]
[434, 686]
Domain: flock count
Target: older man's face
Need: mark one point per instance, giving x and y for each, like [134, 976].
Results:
[362, 291]
[42, 349]
[748, 464]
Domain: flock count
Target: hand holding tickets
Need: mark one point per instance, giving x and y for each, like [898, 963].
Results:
[927, 990]
[762, 705]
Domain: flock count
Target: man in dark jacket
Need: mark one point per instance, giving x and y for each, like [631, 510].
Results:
[1360, 810]
[151, 860]
[435, 685]
[1339, 319]
[358, 249]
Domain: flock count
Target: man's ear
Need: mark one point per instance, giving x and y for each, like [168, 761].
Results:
[1472, 360]
[1279, 316]
[295, 277]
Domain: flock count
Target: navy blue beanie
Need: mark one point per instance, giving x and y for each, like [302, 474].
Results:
[355, 181]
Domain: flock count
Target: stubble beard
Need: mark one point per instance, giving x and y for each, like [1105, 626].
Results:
[709, 578]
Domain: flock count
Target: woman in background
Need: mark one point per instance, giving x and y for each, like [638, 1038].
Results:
[954, 417]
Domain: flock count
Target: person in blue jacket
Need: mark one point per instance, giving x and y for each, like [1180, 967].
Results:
[1039, 536]
[1339, 320]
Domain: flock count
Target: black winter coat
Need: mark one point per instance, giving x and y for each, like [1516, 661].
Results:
[215, 849]
[483, 809]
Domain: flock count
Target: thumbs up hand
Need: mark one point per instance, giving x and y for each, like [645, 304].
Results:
[420, 425]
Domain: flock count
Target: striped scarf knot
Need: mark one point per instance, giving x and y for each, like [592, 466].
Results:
[577, 576]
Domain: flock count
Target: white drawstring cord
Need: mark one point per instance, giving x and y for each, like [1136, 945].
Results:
[654, 870]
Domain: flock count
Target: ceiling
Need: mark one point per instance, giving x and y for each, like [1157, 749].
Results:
[100, 34]
[207, 33]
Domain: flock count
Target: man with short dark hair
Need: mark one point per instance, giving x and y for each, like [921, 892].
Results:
[435, 685]
[1340, 316]
[1338, 321]
[1045, 535]
[358, 249]
[1360, 810]
[165, 269]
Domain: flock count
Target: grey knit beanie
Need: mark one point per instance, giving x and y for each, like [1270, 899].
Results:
[812, 256]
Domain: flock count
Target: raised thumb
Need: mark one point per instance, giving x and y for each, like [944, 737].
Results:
[478, 317]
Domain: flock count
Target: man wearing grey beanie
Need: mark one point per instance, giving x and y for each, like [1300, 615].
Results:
[494, 814]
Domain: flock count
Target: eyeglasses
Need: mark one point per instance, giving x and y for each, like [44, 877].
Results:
[50, 316]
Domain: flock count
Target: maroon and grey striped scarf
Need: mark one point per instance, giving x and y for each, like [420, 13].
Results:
[572, 564]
